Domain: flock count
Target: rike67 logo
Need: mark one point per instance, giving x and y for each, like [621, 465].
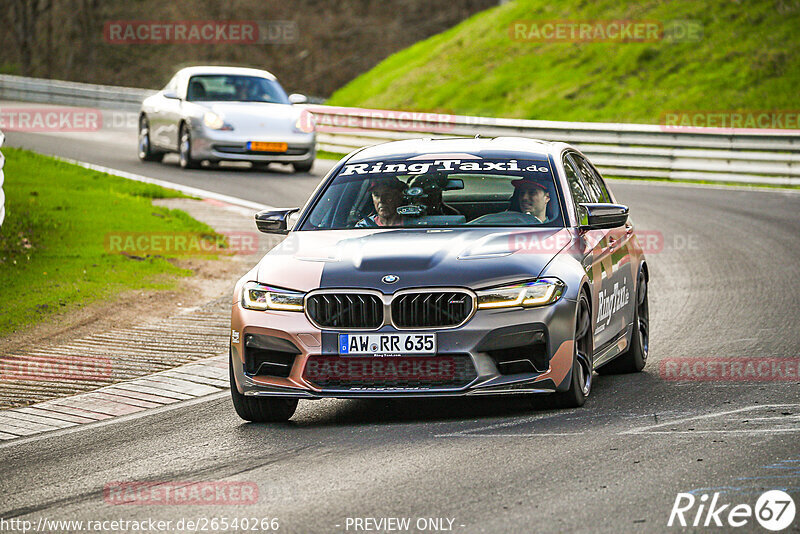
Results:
[774, 510]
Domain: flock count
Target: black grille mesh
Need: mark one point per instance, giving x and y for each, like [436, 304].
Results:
[337, 372]
[343, 310]
[433, 309]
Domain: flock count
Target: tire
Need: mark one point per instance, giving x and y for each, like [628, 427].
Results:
[185, 150]
[634, 358]
[582, 362]
[260, 409]
[146, 152]
[303, 166]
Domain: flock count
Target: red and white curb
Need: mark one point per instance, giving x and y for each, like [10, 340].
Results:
[187, 382]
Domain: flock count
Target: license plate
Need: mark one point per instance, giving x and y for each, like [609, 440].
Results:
[259, 146]
[386, 344]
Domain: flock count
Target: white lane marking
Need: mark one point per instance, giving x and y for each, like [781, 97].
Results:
[114, 420]
[473, 432]
[649, 428]
[193, 191]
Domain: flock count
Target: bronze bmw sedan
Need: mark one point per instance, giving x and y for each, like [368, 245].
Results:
[442, 267]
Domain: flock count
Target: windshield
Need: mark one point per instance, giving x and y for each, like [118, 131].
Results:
[230, 88]
[465, 192]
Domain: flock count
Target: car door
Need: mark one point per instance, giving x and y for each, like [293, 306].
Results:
[615, 296]
[593, 243]
[163, 117]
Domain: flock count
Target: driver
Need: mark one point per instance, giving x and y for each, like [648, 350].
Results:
[387, 194]
[530, 197]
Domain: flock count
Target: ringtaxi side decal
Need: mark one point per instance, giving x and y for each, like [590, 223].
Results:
[611, 303]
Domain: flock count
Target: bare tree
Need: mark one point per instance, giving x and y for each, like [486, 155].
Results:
[25, 15]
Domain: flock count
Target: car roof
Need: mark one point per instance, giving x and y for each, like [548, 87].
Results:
[498, 147]
[211, 69]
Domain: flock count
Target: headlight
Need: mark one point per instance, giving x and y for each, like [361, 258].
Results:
[215, 122]
[527, 294]
[257, 296]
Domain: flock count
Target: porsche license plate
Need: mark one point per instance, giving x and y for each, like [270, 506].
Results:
[260, 146]
[395, 344]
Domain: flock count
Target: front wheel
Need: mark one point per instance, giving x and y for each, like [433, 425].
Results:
[303, 166]
[582, 362]
[185, 150]
[146, 152]
[260, 409]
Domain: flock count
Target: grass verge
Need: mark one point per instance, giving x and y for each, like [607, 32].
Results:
[53, 255]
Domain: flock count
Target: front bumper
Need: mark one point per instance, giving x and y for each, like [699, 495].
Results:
[218, 145]
[491, 340]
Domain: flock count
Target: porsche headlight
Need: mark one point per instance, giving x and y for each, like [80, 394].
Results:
[257, 296]
[527, 294]
[215, 122]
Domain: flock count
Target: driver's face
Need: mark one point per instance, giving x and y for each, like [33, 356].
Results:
[386, 200]
[533, 200]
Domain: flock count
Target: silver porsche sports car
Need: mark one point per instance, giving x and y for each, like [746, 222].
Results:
[442, 267]
[226, 113]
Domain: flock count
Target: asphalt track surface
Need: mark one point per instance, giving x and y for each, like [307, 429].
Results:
[724, 285]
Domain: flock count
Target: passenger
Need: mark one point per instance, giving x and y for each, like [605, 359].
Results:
[387, 194]
[530, 197]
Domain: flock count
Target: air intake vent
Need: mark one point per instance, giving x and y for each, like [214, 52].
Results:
[345, 310]
[431, 309]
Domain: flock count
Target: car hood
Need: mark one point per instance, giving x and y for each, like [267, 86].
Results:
[427, 257]
[246, 115]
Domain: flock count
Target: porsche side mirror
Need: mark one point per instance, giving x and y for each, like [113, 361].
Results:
[597, 216]
[297, 98]
[171, 95]
[274, 221]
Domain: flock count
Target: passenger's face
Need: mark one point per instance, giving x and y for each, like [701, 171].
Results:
[386, 200]
[533, 200]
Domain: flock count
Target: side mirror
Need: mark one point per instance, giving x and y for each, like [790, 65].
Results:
[170, 94]
[274, 222]
[297, 98]
[597, 216]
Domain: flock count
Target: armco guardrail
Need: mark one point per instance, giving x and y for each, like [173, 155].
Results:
[2, 178]
[626, 150]
[71, 93]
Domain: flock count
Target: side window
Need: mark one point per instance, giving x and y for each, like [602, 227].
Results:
[576, 185]
[597, 189]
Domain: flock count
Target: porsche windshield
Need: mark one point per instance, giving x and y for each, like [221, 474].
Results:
[235, 88]
[469, 191]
